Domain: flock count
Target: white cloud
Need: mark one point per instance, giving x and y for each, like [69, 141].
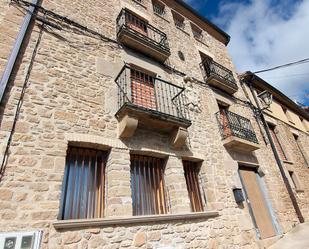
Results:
[264, 34]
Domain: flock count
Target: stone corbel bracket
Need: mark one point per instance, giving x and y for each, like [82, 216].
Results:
[179, 137]
[127, 126]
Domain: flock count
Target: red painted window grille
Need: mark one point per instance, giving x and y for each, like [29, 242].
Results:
[136, 24]
[143, 92]
[225, 121]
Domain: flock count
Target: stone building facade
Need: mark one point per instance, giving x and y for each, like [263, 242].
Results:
[134, 82]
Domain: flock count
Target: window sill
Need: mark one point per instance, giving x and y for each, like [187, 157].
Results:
[201, 41]
[185, 32]
[299, 190]
[162, 17]
[140, 3]
[288, 162]
[134, 220]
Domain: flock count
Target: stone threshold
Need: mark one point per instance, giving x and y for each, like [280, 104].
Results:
[133, 220]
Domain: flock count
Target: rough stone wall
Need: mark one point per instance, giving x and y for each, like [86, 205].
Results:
[66, 101]
[8, 30]
[297, 163]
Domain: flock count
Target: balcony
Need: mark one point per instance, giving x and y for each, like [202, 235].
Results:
[218, 76]
[137, 34]
[236, 131]
[146, 101]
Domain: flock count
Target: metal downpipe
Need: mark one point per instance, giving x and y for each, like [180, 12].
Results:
[15, 51]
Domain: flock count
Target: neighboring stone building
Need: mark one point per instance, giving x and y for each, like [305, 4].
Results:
[124, 125]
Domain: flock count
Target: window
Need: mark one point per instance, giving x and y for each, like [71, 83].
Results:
[277, 143]
[135, 23]
[20, 240]
[147, 185]
[158, 8]
[84, 184]
[300, 148]
[179, 21]
[288, 116]
[224, 120]
[191, 170]
[305, 124]
[197, 32]
[295, 180]
[206, 64]
[181, 56]
[143, 92]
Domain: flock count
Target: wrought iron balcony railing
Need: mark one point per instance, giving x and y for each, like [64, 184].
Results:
[135, 25]
[232, 124]
[212, 68]
[145, 92]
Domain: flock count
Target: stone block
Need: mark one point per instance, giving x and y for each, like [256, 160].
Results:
[140, 239]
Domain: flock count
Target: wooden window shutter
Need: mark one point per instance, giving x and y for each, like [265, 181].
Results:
[191, 174]
[83, 189]
[147, 184]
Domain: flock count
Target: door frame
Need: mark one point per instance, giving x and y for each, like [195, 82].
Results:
[264, 192]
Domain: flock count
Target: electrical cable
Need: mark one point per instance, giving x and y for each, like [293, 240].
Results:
[63, 19]
[284, 66]
[79, 26]
[20, 102]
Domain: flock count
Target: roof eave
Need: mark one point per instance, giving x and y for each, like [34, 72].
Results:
[204, 19]
[253, 77]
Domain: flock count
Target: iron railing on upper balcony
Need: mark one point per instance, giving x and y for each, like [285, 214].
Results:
[135, 25]
[232, 124]
[211, 67]
[146, 92]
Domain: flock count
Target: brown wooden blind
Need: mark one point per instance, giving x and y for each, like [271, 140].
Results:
[191, 173]
[83, 188]
[147, 184]
[277, 143]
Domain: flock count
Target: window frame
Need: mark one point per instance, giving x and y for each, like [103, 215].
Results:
[144, 203]
[36, 238]
[196, 30]
[66, 186]
[294, 179]
[283, 156]
[140, 86]
[287, 114]
[179, 21]
[157, 5]
[193, 185]
[299, 146]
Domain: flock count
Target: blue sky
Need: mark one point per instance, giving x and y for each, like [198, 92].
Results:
[266, 33]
